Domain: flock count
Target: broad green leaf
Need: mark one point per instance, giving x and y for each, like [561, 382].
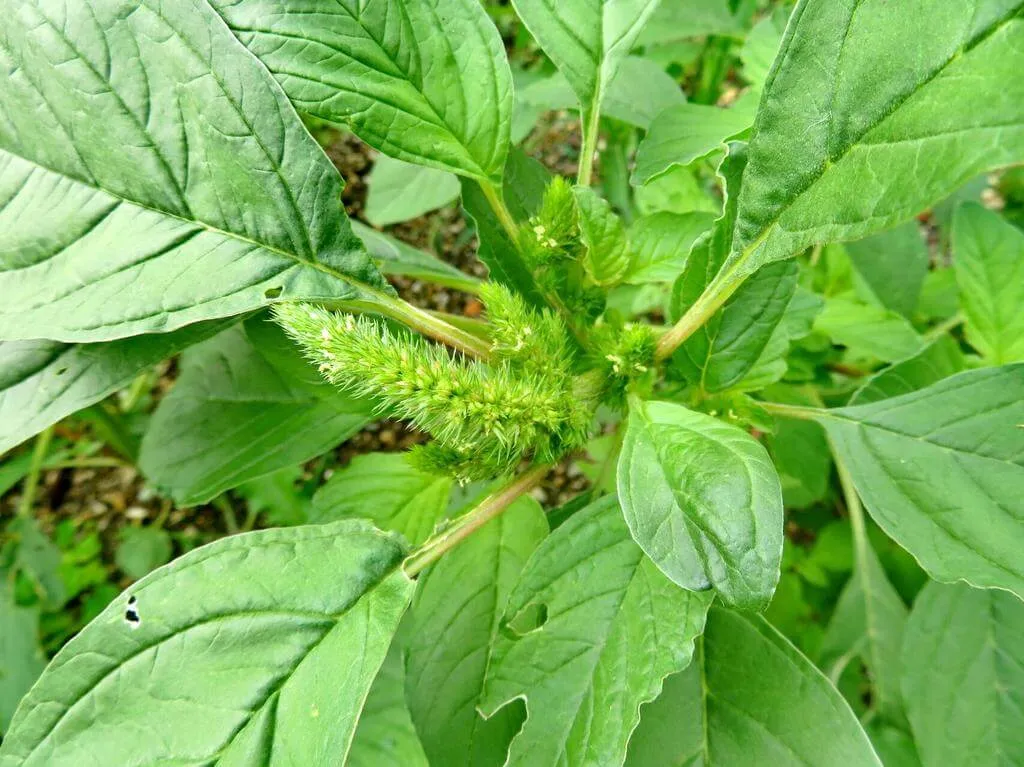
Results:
[940, 359]
[38, 558]
[235, 415]
[799, 450]
[169, 184]
[606, 255]
[940, 295]
[685, 133]
[868, 623]
[963, 677]
[21, 658]
[989, 261]
[893, 265]
[660, 245]
[277, 496]
[749, 698]
[724, 350]
[868, 330]
[396, 257]
[455, 619]
[386, 489]
[679, 19]
[678, 190]
[256, 649]
[586, 39]
[400, 191]
[637, 94]
[702, 499]
[942, 472]
[41, 382]
[385, 736]
[894, 747]
[589, 633]
[525, 182]
[796, 323]
[140, 550]
[425, 81]
[874, 111]
[762, 46]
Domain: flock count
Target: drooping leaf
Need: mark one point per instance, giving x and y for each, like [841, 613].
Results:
[989, 261]
[703, 500]
[394, 256]
[940, 359]
[855, 132]
[963, 676]
[749, 697]
[868, 623]
[399, 191]
[942, 472]
[586, 39]
[44, 381]
[385, 736]
[589, 633]
[142, 153]
[386, 489]
[685, 133]
[606, 255]
[660, 245]
[21, 658]
[256, 649]
[426, 82]
[234, 415]
[640, 90]
[455, 619]
[868, 330]
[893, 264]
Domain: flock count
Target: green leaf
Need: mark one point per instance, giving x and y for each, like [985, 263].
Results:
[868, 623]
[660, 245]
[851, 105]
[681, 19]
[963, 676]
[799, 450]
[525, 182]
[606, 256]
[867, 330]
[385, 736]
[637, 94]
[424, 82]
[400, 191]
[455, 618]
[894, 746]
[141, 550]
[39, 559]
[277, 496]
[678, 190]
[796, 323]
[256, 649]
[386, 489]
[235, 415]
[893, 264]
[762, 46]
[749, 697]
[702, 499]
[590, 631]
[171, 184]
[21, 658]
[685, 133]
[942, 472]
[41, 382]
[396, 257]
[940, 359]
[990, 272]
[586, 39]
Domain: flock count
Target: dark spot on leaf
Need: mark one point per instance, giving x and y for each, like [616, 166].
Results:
[131, 615]
[62, 371]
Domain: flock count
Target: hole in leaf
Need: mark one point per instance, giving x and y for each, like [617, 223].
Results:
[530, 618]
[273, 292]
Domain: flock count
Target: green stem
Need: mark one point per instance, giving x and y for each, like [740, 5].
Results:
[496, 199]
[28, 494]
[791, 411]
[610, 462]
[88, 463]
[945, 326]
[227, 511]
[702, 310]
[490, 508]
[424, 322]
[855, 510]
[591, 131]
